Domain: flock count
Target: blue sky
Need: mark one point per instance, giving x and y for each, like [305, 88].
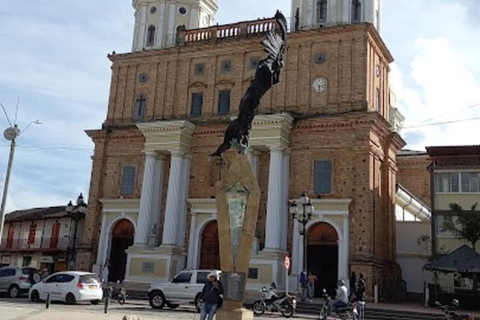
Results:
[53, 59]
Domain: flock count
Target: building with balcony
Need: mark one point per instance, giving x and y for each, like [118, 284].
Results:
[41, 237]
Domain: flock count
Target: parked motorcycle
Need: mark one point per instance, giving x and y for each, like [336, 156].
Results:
[449, 314]
[274, 302]
[345, 313]
[117, 292]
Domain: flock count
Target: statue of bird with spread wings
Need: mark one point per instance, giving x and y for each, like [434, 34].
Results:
[266, 75]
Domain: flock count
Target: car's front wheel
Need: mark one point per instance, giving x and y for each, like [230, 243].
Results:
[35, 296]
[13, 291]
[157, 299]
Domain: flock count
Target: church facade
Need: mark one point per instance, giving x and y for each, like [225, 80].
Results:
[326, 128]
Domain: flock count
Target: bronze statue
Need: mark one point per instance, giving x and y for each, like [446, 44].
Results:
[266, 75]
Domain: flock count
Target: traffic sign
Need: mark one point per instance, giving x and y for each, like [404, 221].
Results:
[286, 262]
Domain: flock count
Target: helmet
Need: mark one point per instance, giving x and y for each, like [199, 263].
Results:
[341, 283]
[455, 303]
[273, 285]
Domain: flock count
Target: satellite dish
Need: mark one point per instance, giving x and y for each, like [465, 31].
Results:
[10, 133]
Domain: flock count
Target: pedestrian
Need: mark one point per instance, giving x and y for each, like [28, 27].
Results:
[45, 273]
[311, 285]
[353, 281]
[211, 296]
[105, 271]
[304, 285]
[360, 295]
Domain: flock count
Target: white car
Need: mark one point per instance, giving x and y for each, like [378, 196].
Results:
[185, 288]
[68, 286]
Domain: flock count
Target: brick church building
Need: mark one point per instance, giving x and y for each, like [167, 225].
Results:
[327, 128]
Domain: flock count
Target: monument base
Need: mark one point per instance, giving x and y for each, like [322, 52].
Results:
[233, 310]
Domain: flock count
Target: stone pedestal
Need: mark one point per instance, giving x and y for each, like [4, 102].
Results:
[238, 198]
[233, 310]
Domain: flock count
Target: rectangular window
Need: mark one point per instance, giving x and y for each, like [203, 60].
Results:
[128, 180]
[379, 101]
[322, 7]
[457, 182]
[140, 109]
[197, 104]
[252, 273]
[26, 261]
[224, 101]
[322, 177]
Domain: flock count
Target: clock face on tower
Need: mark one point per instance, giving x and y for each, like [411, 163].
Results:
[319, 85]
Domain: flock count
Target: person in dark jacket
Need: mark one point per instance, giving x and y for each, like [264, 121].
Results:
[211, 296]
[360, 295]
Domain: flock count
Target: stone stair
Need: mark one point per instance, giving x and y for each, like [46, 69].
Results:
[374, 314]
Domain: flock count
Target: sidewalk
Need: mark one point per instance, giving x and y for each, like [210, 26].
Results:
[416, 307]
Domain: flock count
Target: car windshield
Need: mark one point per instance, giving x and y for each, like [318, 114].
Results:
[89, 278]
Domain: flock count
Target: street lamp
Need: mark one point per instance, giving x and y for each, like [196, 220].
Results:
[76, 215]
[303, 218]
[11, 134]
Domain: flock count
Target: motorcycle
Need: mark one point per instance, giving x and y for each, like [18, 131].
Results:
[448, 314]
[115, 291]
[273, 302]
[345, 313]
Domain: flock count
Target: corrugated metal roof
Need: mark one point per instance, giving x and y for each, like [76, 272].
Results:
[37, 214]
[438, 151]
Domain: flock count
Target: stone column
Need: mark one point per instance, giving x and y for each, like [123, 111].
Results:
[254, 159]
[192, 242]
[141, 28]
[102, 244]
[346, 246]
[161, 26]
[182, 208]
[146, 201]
[171, 24]
[194, 17]
[284, 200]
[346, 7]
[157, 191]
[275, 198]
[176, 187]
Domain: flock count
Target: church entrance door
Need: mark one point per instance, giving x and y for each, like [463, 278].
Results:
[122, 238]
[210, 250]
[322, 257]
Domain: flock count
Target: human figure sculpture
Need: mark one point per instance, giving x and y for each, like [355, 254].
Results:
[266, 75]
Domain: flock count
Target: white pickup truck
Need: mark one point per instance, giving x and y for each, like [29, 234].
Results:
[185, 288]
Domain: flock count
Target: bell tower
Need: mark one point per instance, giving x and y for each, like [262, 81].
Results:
[156, 21]
[307, 14]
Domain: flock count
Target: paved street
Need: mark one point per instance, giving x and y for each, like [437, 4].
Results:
[23, 309]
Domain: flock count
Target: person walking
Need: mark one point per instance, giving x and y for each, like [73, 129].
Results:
[105, 271]
[311, 285]
[211, 296]
[360, 295]
[304, 285]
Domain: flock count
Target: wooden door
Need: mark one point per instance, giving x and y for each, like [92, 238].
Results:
[210, 250]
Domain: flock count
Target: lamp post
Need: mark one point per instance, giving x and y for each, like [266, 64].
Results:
[303, 218]
[11, 134]
[76, 214]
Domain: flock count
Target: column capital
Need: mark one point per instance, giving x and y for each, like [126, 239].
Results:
[253, 152]
[278, 148]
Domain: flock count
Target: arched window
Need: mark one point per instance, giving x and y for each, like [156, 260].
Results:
[140, 109]
[356, 11]
[151, 36]
[322, 8]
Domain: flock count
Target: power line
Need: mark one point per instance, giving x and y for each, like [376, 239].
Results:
[51, 148]
[447, 113]
[440, 123]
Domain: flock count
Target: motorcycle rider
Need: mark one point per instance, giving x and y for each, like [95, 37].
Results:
[342, 296]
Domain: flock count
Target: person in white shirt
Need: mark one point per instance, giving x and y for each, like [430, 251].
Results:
[105, 272]
[342, 296]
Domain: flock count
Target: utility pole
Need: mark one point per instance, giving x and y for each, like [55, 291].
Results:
[11, 134]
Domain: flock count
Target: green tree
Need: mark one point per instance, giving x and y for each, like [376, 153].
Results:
[467, 227]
